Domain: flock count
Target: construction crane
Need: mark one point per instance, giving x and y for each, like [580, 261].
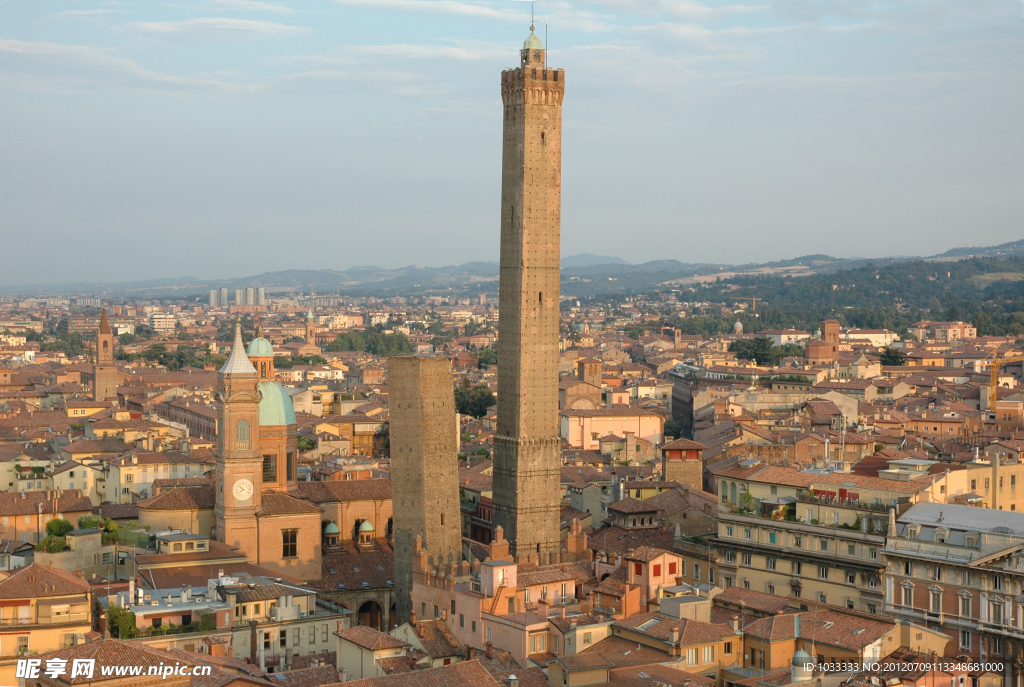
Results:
[993, 384]
[752, 299]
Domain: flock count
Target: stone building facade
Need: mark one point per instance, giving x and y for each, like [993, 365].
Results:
[424, 467]
[526, 445]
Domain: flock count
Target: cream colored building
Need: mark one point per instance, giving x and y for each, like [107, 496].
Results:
[814, 534]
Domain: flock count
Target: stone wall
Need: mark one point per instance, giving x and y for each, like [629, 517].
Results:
[424, 467]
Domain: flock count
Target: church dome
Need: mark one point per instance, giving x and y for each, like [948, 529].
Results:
[532, 43]
[260, 348]
[332, 528]
[366, 526]
[738, 327]
[276, 406]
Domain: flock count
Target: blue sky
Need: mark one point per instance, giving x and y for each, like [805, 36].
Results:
[221, 138]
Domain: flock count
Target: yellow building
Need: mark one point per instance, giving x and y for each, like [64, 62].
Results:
[41, 610]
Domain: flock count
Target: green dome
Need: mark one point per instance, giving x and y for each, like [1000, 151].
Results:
[260, 348]
[366, 526]
[332, 528]
[532, 43]
[276, 407]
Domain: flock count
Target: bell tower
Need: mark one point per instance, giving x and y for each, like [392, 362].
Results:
[310, 327]
[104, 377]
[238, 461]
[526, 446]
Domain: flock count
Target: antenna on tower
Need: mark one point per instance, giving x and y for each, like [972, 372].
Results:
[546, 46]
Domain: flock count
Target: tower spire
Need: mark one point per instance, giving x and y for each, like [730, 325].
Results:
[238, 362]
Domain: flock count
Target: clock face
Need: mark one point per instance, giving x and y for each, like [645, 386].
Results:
[242, 490]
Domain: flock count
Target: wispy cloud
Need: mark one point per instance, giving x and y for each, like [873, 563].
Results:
[205, 25]
[83, 14]
[350, 54]
[39, 65]
[251, 6]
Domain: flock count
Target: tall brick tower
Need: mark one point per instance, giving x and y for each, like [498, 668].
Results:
[310, 327]
[104, 372]
[526, 447]
[424, 467]
[238, 462]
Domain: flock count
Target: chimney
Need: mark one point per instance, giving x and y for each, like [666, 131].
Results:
[675, 635]
[734, 623]
[513, 681]
[412, 618]
[489, 650]
[469, 652]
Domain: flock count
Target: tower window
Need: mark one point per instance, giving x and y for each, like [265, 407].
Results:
[290, 460]
[540, 298]
[442, 519]
[269, 468]
[242, 434]
[542, 137]
[289, 541]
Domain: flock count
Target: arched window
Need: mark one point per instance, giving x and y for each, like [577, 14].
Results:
[242, 434]
[106, 345]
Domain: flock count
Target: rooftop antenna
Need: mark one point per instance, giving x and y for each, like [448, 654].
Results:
[546, 46]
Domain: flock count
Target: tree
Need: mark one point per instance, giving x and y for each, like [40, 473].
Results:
[473, 401]
[58, 528]
[893, 356]
[759, 349]
[487, 357]
[673, 428]
[121, 622]
[127, 339]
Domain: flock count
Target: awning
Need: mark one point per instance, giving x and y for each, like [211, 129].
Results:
[779, 500]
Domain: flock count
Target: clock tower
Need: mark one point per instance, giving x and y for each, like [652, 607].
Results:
[239, 464]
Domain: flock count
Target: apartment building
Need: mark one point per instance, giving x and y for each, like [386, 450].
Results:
[960, 569]
[815, 533]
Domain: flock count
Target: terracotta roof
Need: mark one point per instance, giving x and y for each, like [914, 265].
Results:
[371, 638]
[110, 652]
[629, 505]
[548, 574]
[82, 446]
[618, 410]
[584, 661]
[644, 554]
[462, 674]
[581, 620]
[200, 575]
[375, 568]
[690, 631]
[191, 498]
[624, 653]
[118, 511]
[683, 445]
[35, 581]
[328, 657]
[264, 592]
[773, 628]
[279, 503]
[656, 675]
[347, 490]
[615, 539]
[437, 639]
[53, 501]
[752, 599]
[217, 551]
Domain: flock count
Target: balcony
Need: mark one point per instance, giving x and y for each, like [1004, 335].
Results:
[836, 502]
[71, 619]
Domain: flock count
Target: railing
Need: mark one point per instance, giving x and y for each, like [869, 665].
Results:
[52, 620]
[856, 504]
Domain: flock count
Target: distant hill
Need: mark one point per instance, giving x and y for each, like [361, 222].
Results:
[586, 260]
[583, 275]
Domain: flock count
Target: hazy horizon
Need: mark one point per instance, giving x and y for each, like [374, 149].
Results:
[236, 137]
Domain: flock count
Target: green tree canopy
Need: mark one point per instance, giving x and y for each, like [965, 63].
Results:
[473, 401]
[893, 356]
[58, 528]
